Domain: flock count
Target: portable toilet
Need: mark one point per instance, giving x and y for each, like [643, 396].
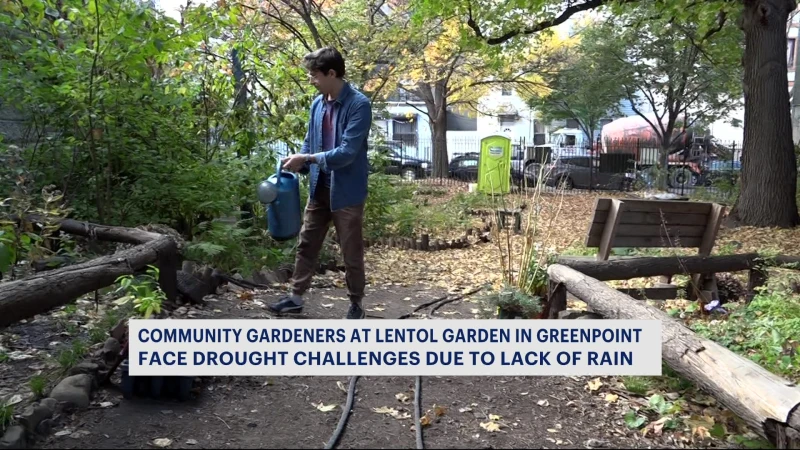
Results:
[494, 167]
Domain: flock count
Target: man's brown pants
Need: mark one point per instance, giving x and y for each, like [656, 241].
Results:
[348, 223]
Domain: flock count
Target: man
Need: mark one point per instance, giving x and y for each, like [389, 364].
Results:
[335, 155]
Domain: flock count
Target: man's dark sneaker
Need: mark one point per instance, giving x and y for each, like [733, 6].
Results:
[286, 306]
[355, 311]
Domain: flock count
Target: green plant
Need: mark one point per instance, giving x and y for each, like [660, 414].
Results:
[144, 292]
[97, 334]
[4, 357]
[6, 416]
[510, 300]
[766, 331]
[658, 408]
[69, 357]
[25, 237]
[637, 385]
[237, 246]
[38, 385]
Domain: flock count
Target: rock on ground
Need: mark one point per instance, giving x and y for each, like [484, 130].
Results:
[74, 391]
[13, 438]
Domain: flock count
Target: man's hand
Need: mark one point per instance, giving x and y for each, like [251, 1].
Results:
[294, 163]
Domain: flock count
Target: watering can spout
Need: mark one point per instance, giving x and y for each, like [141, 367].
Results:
[269, 188]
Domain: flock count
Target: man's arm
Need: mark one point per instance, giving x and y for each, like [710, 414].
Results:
[354, 135]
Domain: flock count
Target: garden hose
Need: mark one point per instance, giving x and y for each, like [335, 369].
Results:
[351, 392]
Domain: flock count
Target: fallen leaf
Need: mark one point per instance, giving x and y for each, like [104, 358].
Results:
[326, 305]
[14, 400]
[392, 412]
[106, 404]
[340, 385]
[324, 408]
[552, 430]
[402, 398]
[523, 393]
[377, 309]
[594, 385]
[491, 426]
[162, 442]
[407, 299]
[425, 420]
[611, 398]
[439, 410]
[191, 442]
[465, 409]
[494, 417]
[543, 403]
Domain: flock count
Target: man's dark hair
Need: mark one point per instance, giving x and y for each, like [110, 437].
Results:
[324, 60]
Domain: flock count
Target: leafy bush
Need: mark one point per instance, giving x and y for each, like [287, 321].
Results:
[766, 331]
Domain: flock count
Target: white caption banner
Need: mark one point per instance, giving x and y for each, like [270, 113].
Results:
[394, 347]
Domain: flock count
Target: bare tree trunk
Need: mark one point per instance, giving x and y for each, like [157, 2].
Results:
[440, 159]
[436, 103]
[769, 170]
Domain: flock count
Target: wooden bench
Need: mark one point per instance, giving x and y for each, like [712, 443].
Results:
[620, 223]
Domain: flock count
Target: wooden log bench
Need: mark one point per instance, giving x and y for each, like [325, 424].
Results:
[637, 223]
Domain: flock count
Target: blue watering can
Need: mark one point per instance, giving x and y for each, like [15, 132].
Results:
[281, 192]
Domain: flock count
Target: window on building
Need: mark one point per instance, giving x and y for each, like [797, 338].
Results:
[573, 123]
[507, 120]
[790, 52]
[404, 130]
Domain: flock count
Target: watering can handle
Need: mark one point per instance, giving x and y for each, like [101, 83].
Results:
[278, 173]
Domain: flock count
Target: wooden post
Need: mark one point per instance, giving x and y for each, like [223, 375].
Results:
[518, 222]
[756, 279]
[556, 299]
[610, 230]
[425, 243]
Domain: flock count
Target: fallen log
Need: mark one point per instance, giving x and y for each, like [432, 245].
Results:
[768, 403]
[627, 268]
[42, 292]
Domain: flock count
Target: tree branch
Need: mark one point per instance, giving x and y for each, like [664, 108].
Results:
[541, 26]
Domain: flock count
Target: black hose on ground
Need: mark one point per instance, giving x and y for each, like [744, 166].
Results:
[351, 392]
[417, 412]
[439, 302]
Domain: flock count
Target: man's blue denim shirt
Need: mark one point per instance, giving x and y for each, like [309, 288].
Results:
[347, 163]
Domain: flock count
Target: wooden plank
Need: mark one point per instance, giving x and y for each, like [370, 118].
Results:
[648, 242]
[652, 230]
[607, 240]
[640, 218]
[655, 242]
[712, 228]
[667, 206]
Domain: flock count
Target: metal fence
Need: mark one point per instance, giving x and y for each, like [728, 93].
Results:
[702, 168]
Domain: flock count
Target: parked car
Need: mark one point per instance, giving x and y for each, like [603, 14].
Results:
[582, 172]
[397, 162]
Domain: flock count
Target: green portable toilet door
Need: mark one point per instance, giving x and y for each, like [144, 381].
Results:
[494, 169]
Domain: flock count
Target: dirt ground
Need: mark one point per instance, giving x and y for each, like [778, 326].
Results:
[259, 412]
